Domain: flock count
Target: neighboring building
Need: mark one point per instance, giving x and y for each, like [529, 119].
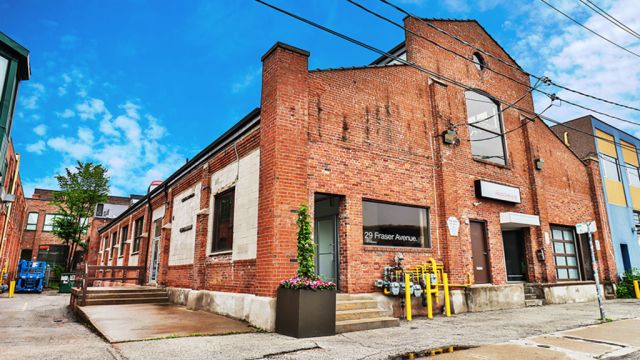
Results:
[363, 147]
[617, 153]
[14, 67]
[38, 241]
[11, 215]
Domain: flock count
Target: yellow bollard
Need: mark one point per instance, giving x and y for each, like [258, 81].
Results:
[447, 305]
[12, 288]
[429, 304]
[407, 296]
[636, 287]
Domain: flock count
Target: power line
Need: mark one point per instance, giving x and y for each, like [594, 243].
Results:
[435, 75]
[514, 129]
[590, 30]
[591, 5]
[497, 58]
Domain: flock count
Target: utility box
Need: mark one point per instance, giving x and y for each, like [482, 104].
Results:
[67, 281]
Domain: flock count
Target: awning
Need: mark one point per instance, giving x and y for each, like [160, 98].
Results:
[514, 220]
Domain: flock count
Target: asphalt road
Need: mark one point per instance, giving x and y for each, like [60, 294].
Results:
[40, 327]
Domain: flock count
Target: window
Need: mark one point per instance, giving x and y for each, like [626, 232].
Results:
[610, 167]
[4, 67]
[137, 234]
[478, 61]
[565, 253]
[123, 238]
[114, 242]
[157, 228]
[395, 225]
[99, 210]
[632, 174]
[636, 222]
[32, 221]
[223, 221]
[48, 222]
[485, 129]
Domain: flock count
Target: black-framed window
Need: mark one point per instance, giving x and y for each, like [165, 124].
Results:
[4, 73]
[223, 221]
[157, 228]
[478, 61]
[565, 253]
[486, 132]
[390, 224]
[137, 234]
[124, 232]
[610, 167]
[99, 210]
[114, 243]
[32, 221]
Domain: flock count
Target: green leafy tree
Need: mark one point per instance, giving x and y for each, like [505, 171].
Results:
[306, 265]
[81, 189]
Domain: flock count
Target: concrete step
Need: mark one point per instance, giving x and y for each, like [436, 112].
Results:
[356, 304]
[128, 295]
[366, 324]
[359, 314]
[122, 301]
[121, 289]
[533, 302]
[350, 297]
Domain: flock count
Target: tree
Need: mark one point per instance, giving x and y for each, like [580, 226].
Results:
[81, 189]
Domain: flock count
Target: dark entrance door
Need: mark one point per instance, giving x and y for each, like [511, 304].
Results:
[514, 260]
[585, 257]
[325, 235]
[26, 254]
[479, 252]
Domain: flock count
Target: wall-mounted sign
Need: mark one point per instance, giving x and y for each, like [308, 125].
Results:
[588, 227]
[495, 191]
[454, 225]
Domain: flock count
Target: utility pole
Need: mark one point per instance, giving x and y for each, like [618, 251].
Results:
[590, 227]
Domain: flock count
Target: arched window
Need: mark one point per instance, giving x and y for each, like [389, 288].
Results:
[478, 61]
[485, 128]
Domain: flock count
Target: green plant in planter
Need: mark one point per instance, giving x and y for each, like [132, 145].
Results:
[624, 288]
[306, 277]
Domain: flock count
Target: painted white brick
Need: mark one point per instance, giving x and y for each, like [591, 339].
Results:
[182, 245]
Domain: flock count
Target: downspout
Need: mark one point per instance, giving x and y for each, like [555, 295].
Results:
[146, 252]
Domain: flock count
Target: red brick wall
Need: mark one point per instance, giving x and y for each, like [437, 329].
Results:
[12, 216]
[32, 239]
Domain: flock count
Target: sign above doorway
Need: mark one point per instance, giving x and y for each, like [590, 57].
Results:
[495, 191]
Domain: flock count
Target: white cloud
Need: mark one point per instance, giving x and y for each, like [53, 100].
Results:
[89, 109]
[40, 130]
[247, 80]
[37, 147]
[30, 100]
[66, 114]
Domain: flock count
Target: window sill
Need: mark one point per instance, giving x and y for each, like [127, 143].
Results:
[224, 252]
[397, 249]
[486, 162]
[135, 253]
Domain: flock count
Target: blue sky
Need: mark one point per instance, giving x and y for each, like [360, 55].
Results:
[141, 86]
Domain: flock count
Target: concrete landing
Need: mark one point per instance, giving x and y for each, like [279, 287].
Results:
[135, 322]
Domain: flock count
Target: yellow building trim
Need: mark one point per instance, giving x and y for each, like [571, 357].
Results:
[606, 144]
[629, 153]
[615, 192]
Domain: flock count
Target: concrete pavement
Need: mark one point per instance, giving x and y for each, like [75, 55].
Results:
[135, 322]
[38, 326]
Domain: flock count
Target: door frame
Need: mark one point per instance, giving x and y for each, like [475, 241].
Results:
[336, 245]
[486, 241]
[155, 250]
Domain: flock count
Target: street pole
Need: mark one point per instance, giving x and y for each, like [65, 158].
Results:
[596, 276]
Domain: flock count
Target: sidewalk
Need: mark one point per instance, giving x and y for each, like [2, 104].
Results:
[473, 329]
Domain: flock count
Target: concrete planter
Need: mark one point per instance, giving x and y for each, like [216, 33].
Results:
[306, 313]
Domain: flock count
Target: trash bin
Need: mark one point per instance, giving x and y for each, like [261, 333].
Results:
[67, 281]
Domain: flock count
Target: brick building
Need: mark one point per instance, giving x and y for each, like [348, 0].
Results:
[39, 243]
[11, 215]
[363, 147]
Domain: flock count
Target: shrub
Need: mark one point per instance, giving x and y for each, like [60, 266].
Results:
[624, 289]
